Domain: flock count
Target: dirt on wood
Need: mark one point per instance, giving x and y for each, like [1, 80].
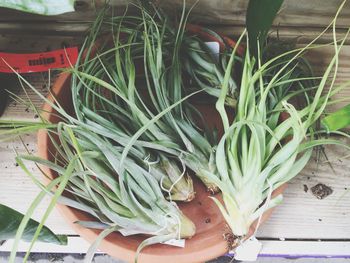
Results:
[321, 191]
[306, 188]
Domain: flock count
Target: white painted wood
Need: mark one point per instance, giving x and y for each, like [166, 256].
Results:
[75, 245]
[305, 248]
[18, 191]
[302, 215]
[270, 247]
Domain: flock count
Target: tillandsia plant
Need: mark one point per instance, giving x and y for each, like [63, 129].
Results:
[130, 202]
[113, 82]
[125, 198]
[164, 82]
[205, 70]
[107, 98]
[87, 165]
[166, 63]
[261, 150]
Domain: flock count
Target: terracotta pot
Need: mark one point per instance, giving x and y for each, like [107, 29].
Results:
[199, 31]
[208, 242]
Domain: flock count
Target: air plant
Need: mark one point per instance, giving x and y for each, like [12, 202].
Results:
[129, 200]
[269, 141]
[112, 80]
[105, 95]
[166, 65]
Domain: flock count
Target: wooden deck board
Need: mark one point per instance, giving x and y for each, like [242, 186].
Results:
[312, 13]
[17, 189]
[271, 248]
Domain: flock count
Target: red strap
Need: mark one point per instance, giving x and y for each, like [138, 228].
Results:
[38, 62]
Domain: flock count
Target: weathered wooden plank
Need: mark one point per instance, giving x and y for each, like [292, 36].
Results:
[16, 188]
[22, 43]
[297, 20]
[300, 249]
[320, 58]
[270, 248]
[39, 36]
[74, 32]
[302, 215]
[75, 245]
[313, 13]
[297, 34]
[48, 28]
[293, 13]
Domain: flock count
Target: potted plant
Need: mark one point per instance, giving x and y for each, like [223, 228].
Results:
[108, 129]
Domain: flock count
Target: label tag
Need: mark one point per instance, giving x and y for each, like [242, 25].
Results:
[214, 47]
[175, 242]
[38, 62]
[248, 250]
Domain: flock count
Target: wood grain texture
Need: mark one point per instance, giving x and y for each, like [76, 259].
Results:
[16, 188]
[301, 20]
[312, 13]
[291, 249]
[298, 35]
[320, 58]
[302, 215]
[74, 32]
